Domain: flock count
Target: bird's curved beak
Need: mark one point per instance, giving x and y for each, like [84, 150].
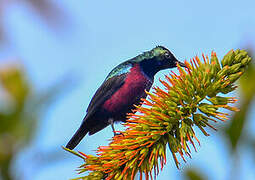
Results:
[181, 64]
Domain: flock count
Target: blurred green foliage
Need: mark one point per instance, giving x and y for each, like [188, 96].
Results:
[194, 174]
[20, 111]
[21, 107]
[15, 126]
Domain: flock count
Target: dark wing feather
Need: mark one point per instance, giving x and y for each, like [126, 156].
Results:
[104, 92]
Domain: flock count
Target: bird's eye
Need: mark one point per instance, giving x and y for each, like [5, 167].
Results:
[167, 55]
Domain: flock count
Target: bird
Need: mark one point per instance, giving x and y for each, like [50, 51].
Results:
[122, 89]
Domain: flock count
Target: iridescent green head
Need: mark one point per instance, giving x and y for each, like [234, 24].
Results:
[157, 59]
[159, 56]
[165, 58]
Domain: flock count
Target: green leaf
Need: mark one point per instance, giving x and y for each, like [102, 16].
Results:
[13, 80]
[247, 90]
[193, 174]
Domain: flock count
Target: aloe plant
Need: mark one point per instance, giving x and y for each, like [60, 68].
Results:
[194, 97]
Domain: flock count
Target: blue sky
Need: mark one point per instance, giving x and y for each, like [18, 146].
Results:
[102, 35]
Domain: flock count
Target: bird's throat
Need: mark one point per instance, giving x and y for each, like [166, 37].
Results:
[150, 67]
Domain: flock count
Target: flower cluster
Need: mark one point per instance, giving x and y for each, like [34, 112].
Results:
[167, 118]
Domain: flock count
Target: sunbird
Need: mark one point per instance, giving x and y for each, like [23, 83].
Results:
[123, 88]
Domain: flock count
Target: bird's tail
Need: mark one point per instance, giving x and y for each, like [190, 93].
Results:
[77, 137]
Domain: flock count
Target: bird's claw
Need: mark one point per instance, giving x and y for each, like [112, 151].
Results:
[118, 133]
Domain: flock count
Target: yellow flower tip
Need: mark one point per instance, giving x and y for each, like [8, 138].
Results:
[191, 62]
[83, 154]
[240, 73]
[203, 56]
[233, 100]
[213, 54]
[235, 109]
[231, 51]
[187, 64]
[207, 58]
[195, 62]
[198, 60]
[182, 156]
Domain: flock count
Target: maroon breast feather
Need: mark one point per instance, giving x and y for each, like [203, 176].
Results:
[130, 93]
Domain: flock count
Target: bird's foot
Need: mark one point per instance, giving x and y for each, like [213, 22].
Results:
[118, 133]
